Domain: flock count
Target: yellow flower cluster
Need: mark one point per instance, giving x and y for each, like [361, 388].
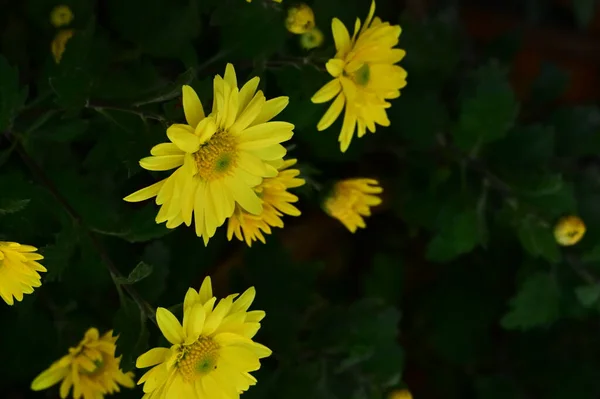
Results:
[301, 21]
[61, 16]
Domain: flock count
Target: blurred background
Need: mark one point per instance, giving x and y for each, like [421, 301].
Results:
[457, 288]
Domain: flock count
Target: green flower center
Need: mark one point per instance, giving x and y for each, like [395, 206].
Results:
[362, 75]
[217, 157]
[198, 359]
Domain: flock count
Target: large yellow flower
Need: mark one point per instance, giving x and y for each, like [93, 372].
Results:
[19, 271]
[351, 200]
[212, 353]
[277, 201]
[90, 368]
[218, 158]
[364, 76]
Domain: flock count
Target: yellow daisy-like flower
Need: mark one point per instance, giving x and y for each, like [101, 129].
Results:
[90, 368]
[61, 16]
[218, 158]
[277, 201]
[300, 19]
[19, 271]
[59, 43]
[212, 353]
[311, 39]
[352, 199]
[364, 77]
[569, 230]
[400, 394]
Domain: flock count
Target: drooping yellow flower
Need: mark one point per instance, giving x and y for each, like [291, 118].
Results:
[61, 16]
[300, 19]
[59, 43]
[311, 39]
[400, 394]
[19, 271]
[90, 368]
[364, 77]
[352, 199]
[212, 353]
[569, 230]
[277, 201]
[218, 158]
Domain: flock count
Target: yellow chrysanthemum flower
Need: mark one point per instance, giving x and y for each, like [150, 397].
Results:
[352, 199]
[311, 39]
[61, 16]
[300, 19]
[400, 394]
[90, 368]
[364, 77]
[59, 44]
[218, 158]
[212, 353]
[569, 230]
[19, 271]
[277, 201]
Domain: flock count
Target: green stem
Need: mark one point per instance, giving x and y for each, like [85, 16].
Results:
[37, 171]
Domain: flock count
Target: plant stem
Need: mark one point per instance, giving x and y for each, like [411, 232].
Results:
[37, 171]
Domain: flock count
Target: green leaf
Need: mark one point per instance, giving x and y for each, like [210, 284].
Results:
[59, 255]
[385, 278]
[497, 387]
[577, 130]
[588, 295]
[489, 111]
[12, 206]
[130, 325]
[593, 255]
[537, 240]
[158, 255]
[536, 304]
[459, 235]
[584, 12]
[523, 147]
[140, 272]
[12, 97]
[63, 131]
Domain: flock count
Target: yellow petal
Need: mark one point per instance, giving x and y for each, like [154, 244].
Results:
[205, 129]
[184, 138]
[334, 111]
[347, 132]
[369, 17]
[335, 67]
[48, 378]
[247, 92]
[230, 76]
[192, 106]
[205, 293]
[340, 36]
[244, 196]
[145, 193]
[193, 322]
[265, 134]
[153, 357]
[164, 162]
[271, 109]
[327, 92]
[249, 114]
[244, 301]
[169, 326]
[165, 149]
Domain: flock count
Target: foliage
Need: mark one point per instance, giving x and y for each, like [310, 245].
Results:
[457, 287]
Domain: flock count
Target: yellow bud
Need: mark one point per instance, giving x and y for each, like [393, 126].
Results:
[59, 43]
[311, 39]
[61, 16]
[300, 19]
[400, 394]
[569, 230]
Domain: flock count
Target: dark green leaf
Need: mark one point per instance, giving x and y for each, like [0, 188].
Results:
[140, 272]
[536, 304]
[130, 325]
[588, 295]
[12, 206]
[385, 278]
[457, 236]
[12, 97]
[537, 239]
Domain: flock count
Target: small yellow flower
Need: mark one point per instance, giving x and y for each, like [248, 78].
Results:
[90, 368]
[61, 16]
[18, 271]
[277, 201]
[311, 39]
[211, 354]
[300, 19]
[569, 230]
[217, 159]
[352, 199]
[60, 43]
[364, 77]
[400, 394]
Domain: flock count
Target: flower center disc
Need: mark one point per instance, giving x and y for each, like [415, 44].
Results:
[217, 157]
[362, 75]
[199, 358]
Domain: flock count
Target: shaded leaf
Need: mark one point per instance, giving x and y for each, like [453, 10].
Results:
[588, 295]
[140, 272]
[12, 97]
[130, 325]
